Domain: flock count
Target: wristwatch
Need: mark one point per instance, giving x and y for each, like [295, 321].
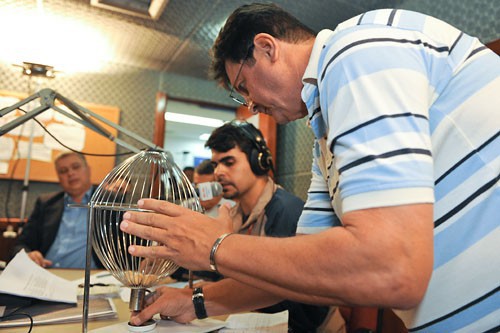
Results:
[199, 303]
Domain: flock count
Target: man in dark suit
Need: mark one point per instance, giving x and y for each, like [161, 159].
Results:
[55, 234]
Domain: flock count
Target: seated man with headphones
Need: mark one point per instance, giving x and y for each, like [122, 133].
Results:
[242, 162]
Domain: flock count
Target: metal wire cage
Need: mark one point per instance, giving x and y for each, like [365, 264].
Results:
[148, 174]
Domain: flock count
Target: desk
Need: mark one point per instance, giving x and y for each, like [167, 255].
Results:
[74, 274]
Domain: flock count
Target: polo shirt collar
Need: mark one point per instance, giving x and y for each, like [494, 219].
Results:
[311, 72]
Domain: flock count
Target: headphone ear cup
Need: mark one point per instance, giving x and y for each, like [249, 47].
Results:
[260, 161]
[266, 159]
[260, 157]
[255, 163]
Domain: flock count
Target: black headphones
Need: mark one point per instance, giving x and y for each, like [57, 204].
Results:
[261, 160]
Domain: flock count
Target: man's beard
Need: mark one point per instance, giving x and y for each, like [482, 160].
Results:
[232, 196]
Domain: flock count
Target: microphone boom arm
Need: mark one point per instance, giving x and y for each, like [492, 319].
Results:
[81, 115]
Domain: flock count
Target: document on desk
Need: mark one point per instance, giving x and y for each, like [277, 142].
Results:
[169, 326]
[102, 285]
[59, 313]
[257, 322]
[23, 277]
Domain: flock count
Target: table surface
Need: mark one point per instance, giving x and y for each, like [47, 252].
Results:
[74, 274]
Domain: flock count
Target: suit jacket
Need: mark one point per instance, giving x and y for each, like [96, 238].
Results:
[41, 229]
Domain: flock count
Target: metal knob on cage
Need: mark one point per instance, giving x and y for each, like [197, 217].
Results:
[148, 174]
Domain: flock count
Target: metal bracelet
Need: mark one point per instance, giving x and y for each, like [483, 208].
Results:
[213, 265]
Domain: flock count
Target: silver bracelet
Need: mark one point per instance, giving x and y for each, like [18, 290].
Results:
[213, 265]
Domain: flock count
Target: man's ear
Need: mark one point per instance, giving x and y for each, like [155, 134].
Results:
[267, 45]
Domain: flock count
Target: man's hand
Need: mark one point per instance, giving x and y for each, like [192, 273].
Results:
[186, 236]
[38, 258]
[172, 303]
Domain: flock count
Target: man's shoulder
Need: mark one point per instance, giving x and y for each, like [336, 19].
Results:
[283, 195]
[283, 211]
[284, 200]
[51, 197]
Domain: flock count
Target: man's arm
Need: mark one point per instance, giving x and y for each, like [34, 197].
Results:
[222, 297]
[380, 257]
[30, 237]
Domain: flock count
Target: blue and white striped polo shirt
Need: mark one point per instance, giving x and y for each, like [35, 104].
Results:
[405, 109]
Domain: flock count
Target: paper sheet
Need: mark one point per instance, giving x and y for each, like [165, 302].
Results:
[101, 277]
[71, 136]
[168, 326]
[7, 150]
[52, 313]
[22, 277]
[39, 152]
[4, 168]
[111, 288]
[257, 322]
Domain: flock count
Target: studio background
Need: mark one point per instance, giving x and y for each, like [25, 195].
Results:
[176, 67]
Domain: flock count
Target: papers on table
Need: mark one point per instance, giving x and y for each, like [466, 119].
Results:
[58, 313]
[53, 299]
[102, 285]
[168, 326]
[257, 322]
[239, 323]
[23, 277]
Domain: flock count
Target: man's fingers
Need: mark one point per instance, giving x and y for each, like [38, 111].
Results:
[160, 206]
[225, 216]
[143, 231]
[146, 314]
[152, 252]
[38, 258]
[150, 219]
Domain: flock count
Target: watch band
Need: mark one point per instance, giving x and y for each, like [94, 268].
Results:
[199, 303]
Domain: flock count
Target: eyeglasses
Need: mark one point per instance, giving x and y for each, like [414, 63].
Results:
[237, 99]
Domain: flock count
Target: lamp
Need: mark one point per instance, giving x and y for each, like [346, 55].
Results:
[148, 174]
[32, 69]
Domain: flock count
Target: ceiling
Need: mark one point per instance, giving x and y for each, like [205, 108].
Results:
[180, 39]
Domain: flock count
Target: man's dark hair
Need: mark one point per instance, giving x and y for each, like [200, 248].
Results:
[228, 136]
[235, 39]
[205, 168]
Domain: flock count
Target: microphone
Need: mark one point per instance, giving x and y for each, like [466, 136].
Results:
[208, 190]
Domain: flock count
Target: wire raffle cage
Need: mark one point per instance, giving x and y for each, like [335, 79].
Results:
[148, 174]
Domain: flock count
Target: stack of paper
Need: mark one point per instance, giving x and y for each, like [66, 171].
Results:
[239, 323]
[23, 277]
[57, 313]
[51, 299]
[257, 322]
[168, 326]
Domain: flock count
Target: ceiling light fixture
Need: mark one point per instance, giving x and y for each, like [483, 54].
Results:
[146, 9]
[194, 120]
[32, 69]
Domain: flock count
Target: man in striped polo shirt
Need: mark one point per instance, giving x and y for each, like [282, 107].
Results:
[402, 210]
